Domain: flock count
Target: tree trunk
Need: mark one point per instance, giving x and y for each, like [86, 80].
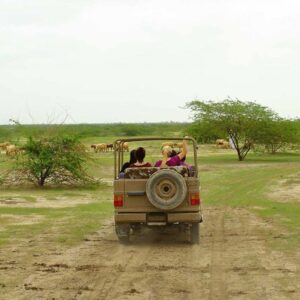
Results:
[239, 154]
[42, 179]
[235, 141]
[41, 182]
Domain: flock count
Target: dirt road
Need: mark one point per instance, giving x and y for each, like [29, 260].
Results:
[233, 261]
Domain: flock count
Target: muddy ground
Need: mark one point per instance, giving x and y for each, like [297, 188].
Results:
[234, 260]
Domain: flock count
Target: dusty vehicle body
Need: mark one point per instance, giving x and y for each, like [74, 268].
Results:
[156, 196]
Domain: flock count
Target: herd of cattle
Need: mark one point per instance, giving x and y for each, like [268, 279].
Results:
[102, 147]
[11, 149]
[172, 145]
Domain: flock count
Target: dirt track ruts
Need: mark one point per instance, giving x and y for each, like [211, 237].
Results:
[233, 261]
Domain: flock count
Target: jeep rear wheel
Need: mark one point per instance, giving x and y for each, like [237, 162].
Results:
[123, 232]
[166, 189]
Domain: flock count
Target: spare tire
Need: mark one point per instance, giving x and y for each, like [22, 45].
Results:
[166, 189]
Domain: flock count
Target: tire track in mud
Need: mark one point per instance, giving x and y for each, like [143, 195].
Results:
[162, 267]
[232, 261]
[143, 270]
[253, 269]
[218, 289]
[125, 259]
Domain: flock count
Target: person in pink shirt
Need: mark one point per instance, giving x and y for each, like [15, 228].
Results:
[140, 154]
[169, 160]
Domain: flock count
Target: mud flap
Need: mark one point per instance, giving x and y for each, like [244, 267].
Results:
[123, 232]
[190, 232]
[195, 230]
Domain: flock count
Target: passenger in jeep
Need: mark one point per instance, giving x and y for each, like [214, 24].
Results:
[169, 160]
[130, 162]
[140, 155]
[182, 161]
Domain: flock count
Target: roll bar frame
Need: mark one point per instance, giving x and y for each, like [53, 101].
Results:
[119, 153]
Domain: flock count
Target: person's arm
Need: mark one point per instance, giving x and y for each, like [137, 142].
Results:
[184, 151]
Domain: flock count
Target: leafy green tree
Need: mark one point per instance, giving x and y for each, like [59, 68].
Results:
[277, 134]
[204, 132]
[240, 121]
[59, 159]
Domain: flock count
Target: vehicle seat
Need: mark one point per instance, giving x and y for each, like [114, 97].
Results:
[140, 173]
[143, 173]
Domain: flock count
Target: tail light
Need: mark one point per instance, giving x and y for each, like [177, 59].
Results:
[195, 199]
[118, 200]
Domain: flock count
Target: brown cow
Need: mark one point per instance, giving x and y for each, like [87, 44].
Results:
[99, 147]
[12, 150]
[4, 145]
[110, 147]
[125, 146]
[221, 143]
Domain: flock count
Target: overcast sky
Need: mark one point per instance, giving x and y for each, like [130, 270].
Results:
[142, 60]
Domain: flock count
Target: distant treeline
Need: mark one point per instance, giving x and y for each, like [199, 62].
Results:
[16, 131]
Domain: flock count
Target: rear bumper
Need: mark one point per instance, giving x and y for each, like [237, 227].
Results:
[167, 217]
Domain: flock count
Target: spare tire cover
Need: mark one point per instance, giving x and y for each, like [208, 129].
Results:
[166, 189]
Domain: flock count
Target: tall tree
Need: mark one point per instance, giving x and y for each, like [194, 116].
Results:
[240, 121]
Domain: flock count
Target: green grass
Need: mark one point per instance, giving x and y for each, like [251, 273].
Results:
[91, 217]
[225, 181]
[13, 133]
[67, 225]
[246, 184]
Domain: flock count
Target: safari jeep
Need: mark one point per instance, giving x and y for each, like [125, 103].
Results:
[156, 196]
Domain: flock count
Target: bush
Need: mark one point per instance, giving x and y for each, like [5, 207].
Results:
[57, 159]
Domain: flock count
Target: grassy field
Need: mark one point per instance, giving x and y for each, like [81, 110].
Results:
[54, 232]
[256, 184]
[70, 214]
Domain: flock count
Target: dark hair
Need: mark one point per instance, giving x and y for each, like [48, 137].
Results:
[132, 156]
[140, 154]
[173, 153]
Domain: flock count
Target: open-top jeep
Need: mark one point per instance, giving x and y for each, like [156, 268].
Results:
[156, 196]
